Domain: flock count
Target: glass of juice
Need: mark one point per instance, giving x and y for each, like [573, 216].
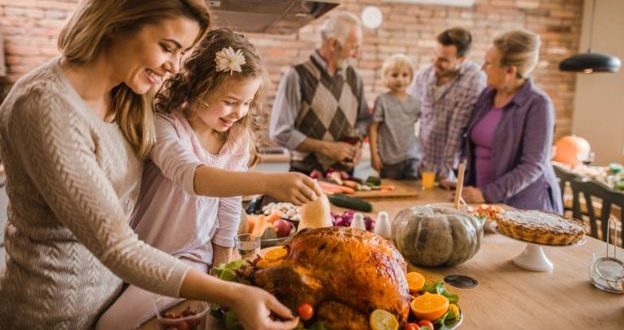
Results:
[248, 246]
[428, 175]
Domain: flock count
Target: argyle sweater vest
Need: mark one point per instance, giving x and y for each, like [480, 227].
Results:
[329, 109]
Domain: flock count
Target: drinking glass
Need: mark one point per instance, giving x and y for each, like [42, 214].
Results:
[248, 246]
[352, 136]
[428, 175]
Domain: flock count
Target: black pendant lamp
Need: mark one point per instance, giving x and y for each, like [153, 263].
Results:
[591, 62]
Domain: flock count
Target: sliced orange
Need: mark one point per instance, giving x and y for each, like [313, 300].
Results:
[383, 320]
[276, 254]
[415, 282]
[263, 263]
[430, 306]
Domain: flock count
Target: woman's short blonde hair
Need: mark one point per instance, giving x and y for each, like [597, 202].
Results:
[397, 61]
[90, 30]
[519, 48]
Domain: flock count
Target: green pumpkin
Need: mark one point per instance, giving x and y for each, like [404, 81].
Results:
[434, 236]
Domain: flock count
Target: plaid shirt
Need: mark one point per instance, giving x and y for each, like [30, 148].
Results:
[445, 115]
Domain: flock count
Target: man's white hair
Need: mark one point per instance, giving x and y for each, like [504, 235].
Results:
[339, 25]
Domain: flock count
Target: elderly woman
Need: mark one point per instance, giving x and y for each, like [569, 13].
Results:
[509, 137]
[74, 132]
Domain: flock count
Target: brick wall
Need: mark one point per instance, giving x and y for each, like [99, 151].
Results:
[30, 27]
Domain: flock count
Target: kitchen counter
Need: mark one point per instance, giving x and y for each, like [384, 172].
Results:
[509, 297]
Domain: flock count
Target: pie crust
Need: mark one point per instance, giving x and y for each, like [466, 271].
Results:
[540, 227]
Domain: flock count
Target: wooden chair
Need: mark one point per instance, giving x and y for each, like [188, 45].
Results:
[599, 202]
[565, 178]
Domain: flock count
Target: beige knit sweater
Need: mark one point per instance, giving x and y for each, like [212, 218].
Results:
[72, 181]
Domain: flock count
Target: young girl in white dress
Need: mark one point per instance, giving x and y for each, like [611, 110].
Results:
[204, 124]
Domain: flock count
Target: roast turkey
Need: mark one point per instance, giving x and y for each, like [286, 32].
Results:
[345, 273]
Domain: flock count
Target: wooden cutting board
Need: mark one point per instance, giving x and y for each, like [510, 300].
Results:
[404, 189]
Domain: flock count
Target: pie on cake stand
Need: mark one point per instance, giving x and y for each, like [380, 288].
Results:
[539, 229]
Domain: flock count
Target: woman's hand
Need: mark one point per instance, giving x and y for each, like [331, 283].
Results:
[293, 187]
[473, 195]
[376, 162]
[256, 309]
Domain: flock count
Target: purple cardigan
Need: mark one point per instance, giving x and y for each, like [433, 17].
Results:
[522, 174]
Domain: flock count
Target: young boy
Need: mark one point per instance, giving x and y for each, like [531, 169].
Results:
[395, 151]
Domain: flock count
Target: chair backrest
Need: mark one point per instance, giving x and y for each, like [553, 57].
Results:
[565, 178]
[597, 193]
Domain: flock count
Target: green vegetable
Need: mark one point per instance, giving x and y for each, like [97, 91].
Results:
[317, 326]
[350, 202]
[616, 168]
[438, 287]
[227, 271]
[373, 181]
[231, 321]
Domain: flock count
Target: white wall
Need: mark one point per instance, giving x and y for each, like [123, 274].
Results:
[599, 100]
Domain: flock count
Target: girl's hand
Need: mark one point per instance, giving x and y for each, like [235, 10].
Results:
[293, 187]
[254, 308]
[376, 162]
[473, 195]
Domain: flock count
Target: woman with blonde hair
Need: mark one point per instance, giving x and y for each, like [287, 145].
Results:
[509, 137]
[71, 133]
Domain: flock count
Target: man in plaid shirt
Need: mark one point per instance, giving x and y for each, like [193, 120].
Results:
[448, 90]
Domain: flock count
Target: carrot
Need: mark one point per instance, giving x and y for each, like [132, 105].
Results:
[274, 216]
[260, 226]
[251, 222]
[349, 183]
[334, 188]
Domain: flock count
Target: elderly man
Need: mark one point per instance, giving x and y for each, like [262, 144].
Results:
[320, 106]
[448, 90]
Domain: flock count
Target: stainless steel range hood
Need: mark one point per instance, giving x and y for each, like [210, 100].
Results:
[268, 16]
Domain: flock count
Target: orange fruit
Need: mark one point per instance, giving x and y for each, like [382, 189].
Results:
[276, 254]
[430, 306]
[263, 263]
[383, 320]
[415, 282]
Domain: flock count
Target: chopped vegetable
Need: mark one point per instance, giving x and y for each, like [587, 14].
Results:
[351, 203]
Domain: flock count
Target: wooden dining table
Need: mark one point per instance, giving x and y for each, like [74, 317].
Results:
[509, 297]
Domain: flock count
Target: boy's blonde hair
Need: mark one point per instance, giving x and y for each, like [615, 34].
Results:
[90, 30]
[397, 61]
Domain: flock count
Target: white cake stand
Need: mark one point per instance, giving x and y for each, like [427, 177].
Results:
[533, 257]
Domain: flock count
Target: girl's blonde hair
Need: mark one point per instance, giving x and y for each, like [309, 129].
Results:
[199, 77]
[397, 61]
[519, 48]
[90, 30]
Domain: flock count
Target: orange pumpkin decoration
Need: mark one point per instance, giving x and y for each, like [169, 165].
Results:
[571, 150]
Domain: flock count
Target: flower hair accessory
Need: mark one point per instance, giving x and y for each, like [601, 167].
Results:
[229, 60]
